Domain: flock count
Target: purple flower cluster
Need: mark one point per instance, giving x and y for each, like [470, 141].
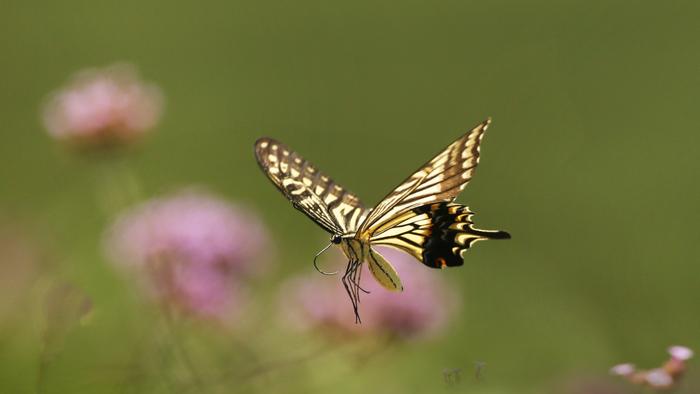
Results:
[103, 107]
[192, 249]
[665, 377]
[421, 310]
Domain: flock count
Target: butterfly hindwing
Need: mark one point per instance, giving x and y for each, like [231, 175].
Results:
[440, 179]
[435, 234]
[328, 204]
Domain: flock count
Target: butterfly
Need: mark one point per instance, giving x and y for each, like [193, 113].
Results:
[418, 217]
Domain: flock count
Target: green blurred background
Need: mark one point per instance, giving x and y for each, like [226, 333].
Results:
[591, 163]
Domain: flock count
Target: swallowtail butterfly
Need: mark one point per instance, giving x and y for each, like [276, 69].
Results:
[418, 217]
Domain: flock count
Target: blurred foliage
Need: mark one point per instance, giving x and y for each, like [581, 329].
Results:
[591, 164]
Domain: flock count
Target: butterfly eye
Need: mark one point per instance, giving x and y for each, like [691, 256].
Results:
[335, 239]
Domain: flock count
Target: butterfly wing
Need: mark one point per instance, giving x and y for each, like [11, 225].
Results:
[383, 271]
[435, 234]
[440, 179]
[316, 195]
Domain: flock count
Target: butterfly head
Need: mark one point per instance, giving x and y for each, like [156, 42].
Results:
[336, 239]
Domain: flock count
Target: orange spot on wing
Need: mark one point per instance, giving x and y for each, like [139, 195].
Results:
[440, 262]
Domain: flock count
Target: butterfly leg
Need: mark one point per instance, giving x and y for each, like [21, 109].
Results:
[350, 282]
[359, 280]
[356, 280]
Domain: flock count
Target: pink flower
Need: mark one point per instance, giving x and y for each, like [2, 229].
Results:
[675, 366]
[681, 353]
[623, 369]
[666, 377]
[659, 379]
[312, 301]
[420, 310]
[191, 249]
[103, 107]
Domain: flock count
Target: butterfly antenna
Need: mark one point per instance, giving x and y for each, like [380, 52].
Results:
[316, 264]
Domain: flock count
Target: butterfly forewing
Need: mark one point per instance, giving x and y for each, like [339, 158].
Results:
[328, 204]
[440, 179]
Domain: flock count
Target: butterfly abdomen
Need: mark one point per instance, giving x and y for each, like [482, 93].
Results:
[450, 233]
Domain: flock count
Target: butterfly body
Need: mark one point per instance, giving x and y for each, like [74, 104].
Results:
[418, 217]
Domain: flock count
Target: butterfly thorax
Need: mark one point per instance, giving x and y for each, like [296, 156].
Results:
[354, 249]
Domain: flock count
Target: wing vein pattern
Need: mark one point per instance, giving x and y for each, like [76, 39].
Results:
[439, 180]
